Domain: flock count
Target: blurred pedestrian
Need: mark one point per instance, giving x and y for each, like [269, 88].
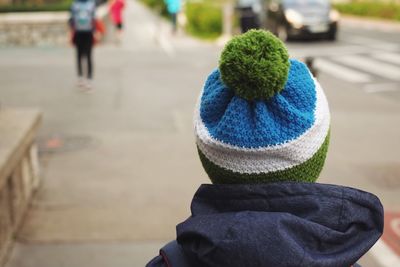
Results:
[173, 8]
[115, 10]
[249, 14]
[310, 64]
[262, 127]
[82, 24]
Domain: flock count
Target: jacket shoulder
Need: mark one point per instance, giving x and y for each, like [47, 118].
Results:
[157, 262]
[172, 255]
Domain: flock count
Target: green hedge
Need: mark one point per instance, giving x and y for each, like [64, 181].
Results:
[25, 6]
[46, 5]
[378, 9]
[157, 5]
[33, 8]
[204, 19]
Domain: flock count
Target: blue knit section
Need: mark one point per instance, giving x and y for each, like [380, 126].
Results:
[238, 122]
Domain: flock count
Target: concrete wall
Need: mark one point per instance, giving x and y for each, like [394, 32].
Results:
[19, 171]
[37, 28]
[41, 28]
[5, 2]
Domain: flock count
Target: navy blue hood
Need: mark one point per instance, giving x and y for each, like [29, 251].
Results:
[279, 224]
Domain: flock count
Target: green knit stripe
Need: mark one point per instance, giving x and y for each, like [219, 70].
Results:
[307, 171]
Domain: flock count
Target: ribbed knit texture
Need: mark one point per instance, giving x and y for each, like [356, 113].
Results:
[307, 171]
[261, 132]
[253, 124]
[284, 138]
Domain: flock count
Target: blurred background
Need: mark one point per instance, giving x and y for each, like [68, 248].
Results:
[100, 175]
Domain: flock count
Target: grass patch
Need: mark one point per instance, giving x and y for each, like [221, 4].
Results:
[374, 9]
[36, 7]
[40, 6]
[204, 20]
[157, 5]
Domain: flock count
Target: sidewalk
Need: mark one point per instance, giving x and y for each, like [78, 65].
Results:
[120, 165]
[112, 191]
[146, 30]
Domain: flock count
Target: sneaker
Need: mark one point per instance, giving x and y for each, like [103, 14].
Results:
[88, 86]
[81, 82]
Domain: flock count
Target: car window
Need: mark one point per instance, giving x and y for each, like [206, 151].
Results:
[299, 3]
[247, 3]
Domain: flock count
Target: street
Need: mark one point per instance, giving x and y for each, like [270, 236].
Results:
[120, 165]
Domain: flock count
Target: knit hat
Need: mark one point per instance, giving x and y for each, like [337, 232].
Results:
[261, 116]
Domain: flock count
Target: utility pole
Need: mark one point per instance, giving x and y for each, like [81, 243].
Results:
[227, 22]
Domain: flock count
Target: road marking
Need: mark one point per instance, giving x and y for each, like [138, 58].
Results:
[370, 42]
[357, 39]
[329, 50]
[384, 254]
[388, 57]
[166, 45]
[395, 225]
[341, 72]
[381, 87]
[391, 235]
[370, 65]
[162, 37]
[383, 46]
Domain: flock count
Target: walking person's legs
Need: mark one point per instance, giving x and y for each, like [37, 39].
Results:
[118, 27]
[84, 44]
[79, 54]
[88, 55]
[89, 62]
[174, 22]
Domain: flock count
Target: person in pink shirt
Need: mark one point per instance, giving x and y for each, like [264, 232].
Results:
[115, 11]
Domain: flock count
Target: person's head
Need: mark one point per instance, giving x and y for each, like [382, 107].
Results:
[261, 116]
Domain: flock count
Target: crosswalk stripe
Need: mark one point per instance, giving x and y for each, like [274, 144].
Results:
[329, 50]
[370, 65]
[370, 42]
[381, 87]
[384, 254]
[388, 47]
[388, 57]
[341, 72]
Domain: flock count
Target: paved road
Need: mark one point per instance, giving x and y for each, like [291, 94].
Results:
[120, 165]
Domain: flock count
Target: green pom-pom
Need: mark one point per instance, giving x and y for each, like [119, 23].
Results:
[255, 65]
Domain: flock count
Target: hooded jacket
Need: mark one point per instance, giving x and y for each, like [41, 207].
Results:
[275, 225]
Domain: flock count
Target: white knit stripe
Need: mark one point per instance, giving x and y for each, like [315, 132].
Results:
[272, 158]
[319, 113]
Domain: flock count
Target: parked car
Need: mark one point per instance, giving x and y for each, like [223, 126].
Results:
[290, 19]
[250, 13]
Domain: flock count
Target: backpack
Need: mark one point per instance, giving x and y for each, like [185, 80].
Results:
[83, 13]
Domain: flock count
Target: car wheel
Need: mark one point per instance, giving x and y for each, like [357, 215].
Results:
[282, 33]
[332, 36]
